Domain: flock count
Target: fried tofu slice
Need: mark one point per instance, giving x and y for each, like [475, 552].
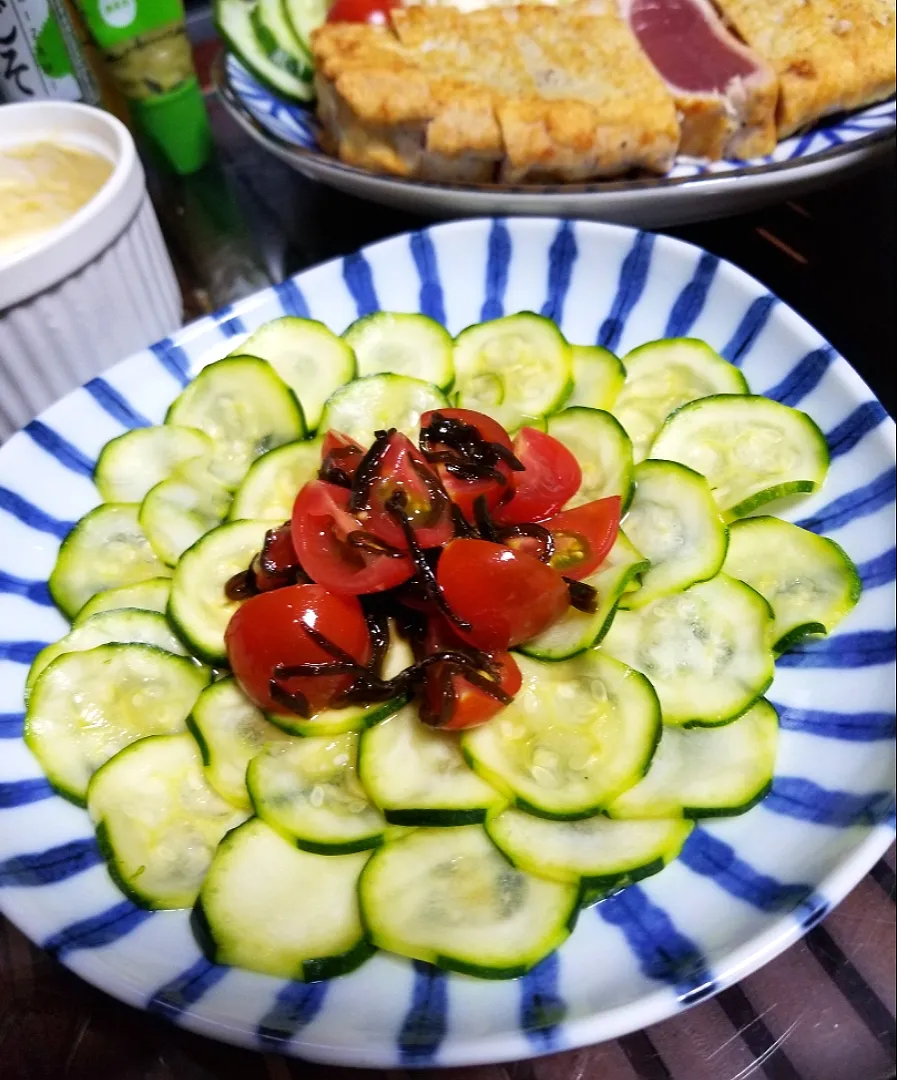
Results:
[829, 55]
[516, 94]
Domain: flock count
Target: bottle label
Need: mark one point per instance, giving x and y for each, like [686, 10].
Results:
[35, 59]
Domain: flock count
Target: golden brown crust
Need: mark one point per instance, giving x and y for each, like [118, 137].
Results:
[740, 124]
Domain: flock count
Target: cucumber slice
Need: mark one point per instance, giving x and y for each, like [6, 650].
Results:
[238, 24]
[707, 772]
[593, 852]
[279, 41]
[577, 631]
[106, 549]
[310, 359]
[305, 16]
[88, 705]
[809, 581]
[268, 906]
[158, 822]
[135, 462]
[674, 521]
[308, 789]
[603, 451]
[230, 731]
[597, 377]
[380, 401]
[151, 595]
[579, 733]
[404, 345]
[751, 449]
[516, 369]
[663, 375]
[705, 650]
[273, 482]
[418, 776]
[199, 607]
[105, 628]
[247, 410]
[181, 510]
[448, 896]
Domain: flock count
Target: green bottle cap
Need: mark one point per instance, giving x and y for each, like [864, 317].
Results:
[178, 125]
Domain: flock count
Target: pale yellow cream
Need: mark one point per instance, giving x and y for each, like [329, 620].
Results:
[43, 184]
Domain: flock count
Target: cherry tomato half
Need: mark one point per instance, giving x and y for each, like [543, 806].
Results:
[550, 477]
[464, 493]
[268, 630]
[507, 596]
[340, 457]
[322, 527]
[583, 536]
[403, 468]
[362, 11]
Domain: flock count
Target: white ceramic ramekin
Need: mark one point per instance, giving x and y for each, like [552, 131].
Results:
[96, 289]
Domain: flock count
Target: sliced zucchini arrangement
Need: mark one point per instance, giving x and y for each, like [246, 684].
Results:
[303, 845]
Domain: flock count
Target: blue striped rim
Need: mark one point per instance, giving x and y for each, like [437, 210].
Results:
[36, 591]
[430, 300]
[562, 258]
[295, 1006]
[70, 457]
[881, 570]
[847, 434]
[54, 864]
[230, 325]
[291, 299]
[749, 329]
[97, 930]
[173, 358]
[797, 797]
[663, 952]
[852, 727]
[22, 792]
[858, 503]
[864, 648]
[690, 302]
[498, 261]
[360, 283]
[803, 145]
[542, 1009]
[631, 285]
[425, 1023]
[12, 725]
[184, 990]
[20, 652]
[32, 516]
[805, 376]
[115, 404]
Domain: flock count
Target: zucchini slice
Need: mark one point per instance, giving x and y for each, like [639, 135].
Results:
[449, 897]
[674, 521]
[86, 706]
[707, 772]
[238, 22]
[158, 822]
[135, 462]
[150, 595]
[310, 359]
[577, 631]
[705, 650]
[380, 401]
[516, 369]
[597, 377]
[810, 581]
[603, 451]
[403, 344]
[579, 733]
[181, 510]
[246, 409]
[663, 375]
[268, 906]
[305, 16]
[272, 484]
[752, 450]
[418, 776]
[107, 548]
[593, 852]
[308, 789]
[280, 42]
[230, 731]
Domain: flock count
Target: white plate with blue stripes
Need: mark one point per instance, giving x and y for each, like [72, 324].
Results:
[693, 190]
[742, 890]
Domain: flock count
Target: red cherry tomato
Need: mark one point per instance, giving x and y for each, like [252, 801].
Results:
[507, 596]
[550, 477]
[277, 564]
[340, 457]
[362, 11]
[269, 630]
[403, 468]
[583, 536]
[322, 527]
[464, 493]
